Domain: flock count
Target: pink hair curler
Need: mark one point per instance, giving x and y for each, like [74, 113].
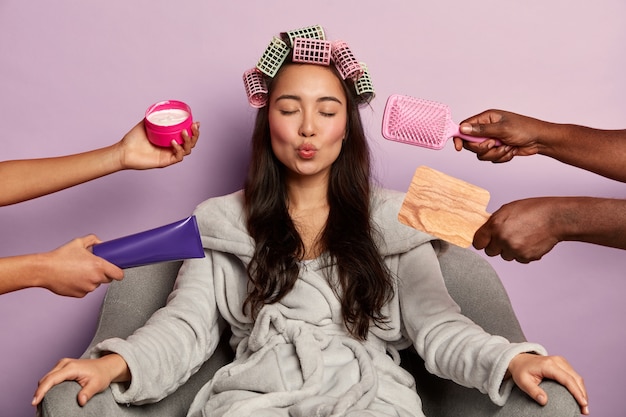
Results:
[256, 87]
[311, 51]
[345, 61]
[165, 122]
[420, 122]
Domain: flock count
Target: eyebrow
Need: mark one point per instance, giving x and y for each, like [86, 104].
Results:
[298, 98]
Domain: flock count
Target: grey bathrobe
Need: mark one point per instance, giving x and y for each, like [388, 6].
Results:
[297, 358]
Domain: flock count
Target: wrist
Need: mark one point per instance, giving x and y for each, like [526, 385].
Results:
[550, 137]
[564, 217]
[40, 266]
[116, 366]
[116, 157]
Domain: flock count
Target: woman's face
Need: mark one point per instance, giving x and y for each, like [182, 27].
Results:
[307, 119]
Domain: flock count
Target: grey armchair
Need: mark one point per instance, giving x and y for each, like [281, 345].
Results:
[470, 279]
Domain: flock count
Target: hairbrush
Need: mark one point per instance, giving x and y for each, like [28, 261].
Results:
[420, 122]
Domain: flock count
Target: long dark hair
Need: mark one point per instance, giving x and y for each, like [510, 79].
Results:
[347, 240]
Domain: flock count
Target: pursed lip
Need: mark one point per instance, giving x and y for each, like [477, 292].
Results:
[307, 151]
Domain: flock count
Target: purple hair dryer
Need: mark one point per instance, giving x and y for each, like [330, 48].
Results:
[172, 242]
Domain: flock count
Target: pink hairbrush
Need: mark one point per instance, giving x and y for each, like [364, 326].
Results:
[420, 122]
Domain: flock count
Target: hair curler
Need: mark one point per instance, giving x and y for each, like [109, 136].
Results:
[172, 242]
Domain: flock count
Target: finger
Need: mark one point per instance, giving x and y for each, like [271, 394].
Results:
[90, 240]
[179, 151]
[507, 255]
[508, 152]
[579, 393]
[52, 378]
[534, 391]
[187, 142]
[87, 393]
[564, 374]
[458, 144]
[113, 272]
[482, 238]
[495, 154]
[493, 249]
[108, 269]
[195, 131]
[195, 135]
[60, 364]
[478, 147]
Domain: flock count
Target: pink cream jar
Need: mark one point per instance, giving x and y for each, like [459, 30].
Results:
[165, 122]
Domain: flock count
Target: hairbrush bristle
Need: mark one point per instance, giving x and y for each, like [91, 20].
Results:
[415, 121]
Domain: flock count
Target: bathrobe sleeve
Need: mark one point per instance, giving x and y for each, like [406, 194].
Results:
[451, 345]
[174, 342]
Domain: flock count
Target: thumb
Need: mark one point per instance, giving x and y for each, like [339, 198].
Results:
[86, 394]
[540, 396]
[466, 128]
[483, 130]
[535, 392]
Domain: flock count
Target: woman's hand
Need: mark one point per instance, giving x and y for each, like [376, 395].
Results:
[93, 375]
[528, 370]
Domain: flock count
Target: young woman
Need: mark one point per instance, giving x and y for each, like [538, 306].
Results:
[319, 283]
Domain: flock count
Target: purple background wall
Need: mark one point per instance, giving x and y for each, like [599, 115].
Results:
[77, 75]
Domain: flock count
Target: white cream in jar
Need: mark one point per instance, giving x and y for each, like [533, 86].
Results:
[168, 117]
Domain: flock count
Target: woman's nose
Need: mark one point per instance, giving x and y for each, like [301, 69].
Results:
[307, 127]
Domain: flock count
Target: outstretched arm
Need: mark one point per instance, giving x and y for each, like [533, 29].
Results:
[23, 180]
[525, 230]
[70, 270]
[595, 150]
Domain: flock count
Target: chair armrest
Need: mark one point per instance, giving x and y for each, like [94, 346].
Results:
[477, 289]
[127, 305]
[444, 398]
[61, 401]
